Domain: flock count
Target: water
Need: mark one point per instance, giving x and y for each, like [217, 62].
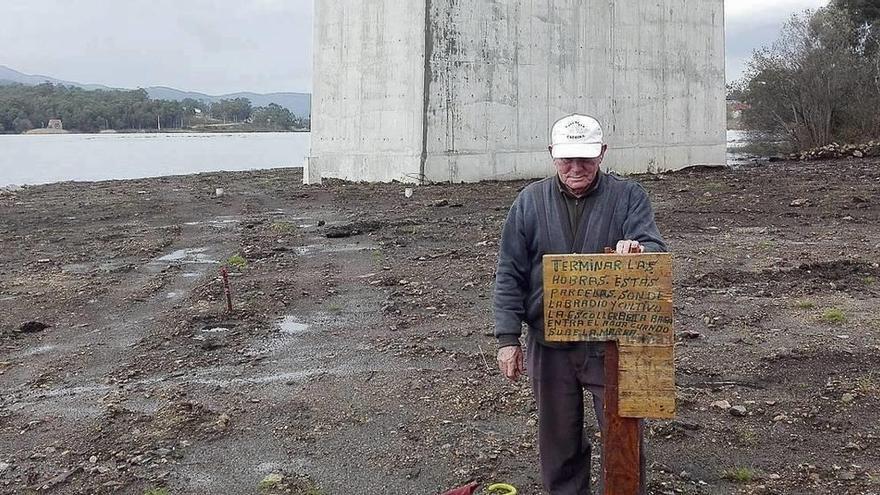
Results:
[737, 139]
[42, 159]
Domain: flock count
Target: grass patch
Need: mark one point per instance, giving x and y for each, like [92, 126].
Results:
[869, 280]
[747, 436]
[157, 491]
[834, 316]
[283, 227]
[713, 186]
[805, 304]
[334, 308]
[740, 475]
[378, 258]
[278, 483]
[270, 482]
[867, 385]
[237, 261]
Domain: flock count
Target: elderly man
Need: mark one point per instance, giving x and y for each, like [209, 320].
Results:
[579, 210]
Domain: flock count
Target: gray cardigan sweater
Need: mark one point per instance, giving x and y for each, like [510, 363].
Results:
[537, 224]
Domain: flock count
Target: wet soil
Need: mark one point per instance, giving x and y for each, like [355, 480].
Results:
[358, 356]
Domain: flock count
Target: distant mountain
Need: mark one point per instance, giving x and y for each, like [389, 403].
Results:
[12, 76]
[298, 103]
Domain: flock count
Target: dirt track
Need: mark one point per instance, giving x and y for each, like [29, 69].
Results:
[363, 363]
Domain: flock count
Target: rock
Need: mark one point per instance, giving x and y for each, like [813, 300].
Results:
[800, 202]
[847, 398]
[774, 476]
[5, 466]
[690, 334]
[212, 342]
[847, 475]
[33, 327]
[738, 411]
[321, 223]
[858, 154]
[223, 422]
[721, 404]
[93, 459]
[440, 202]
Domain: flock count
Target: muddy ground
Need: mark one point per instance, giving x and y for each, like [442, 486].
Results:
[362, 362]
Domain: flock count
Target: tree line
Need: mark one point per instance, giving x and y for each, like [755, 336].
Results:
[820, 81]
[23, 108]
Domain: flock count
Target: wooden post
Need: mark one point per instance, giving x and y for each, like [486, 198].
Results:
[621, 439]
[624, 300]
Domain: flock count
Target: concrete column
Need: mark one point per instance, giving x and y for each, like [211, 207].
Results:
[454, 90]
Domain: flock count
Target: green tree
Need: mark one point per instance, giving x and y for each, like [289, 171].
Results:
[22, 124]
[862, 11]
[273, 116]
[236, 110]
[814, 84]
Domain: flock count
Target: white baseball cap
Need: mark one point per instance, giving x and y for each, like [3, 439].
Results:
[576, 136]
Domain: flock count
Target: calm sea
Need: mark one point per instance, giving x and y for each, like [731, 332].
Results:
[41, 159]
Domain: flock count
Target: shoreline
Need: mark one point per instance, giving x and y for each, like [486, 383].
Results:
[50, 132]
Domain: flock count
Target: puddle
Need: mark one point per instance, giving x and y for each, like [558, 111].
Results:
[191, 275]
[37, 350]
[290, 326]
[219, 222]
[191, 255]
[215, 330]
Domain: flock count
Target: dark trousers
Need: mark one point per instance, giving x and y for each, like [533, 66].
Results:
[559, 377]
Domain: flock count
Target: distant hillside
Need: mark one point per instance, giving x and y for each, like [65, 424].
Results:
[12, 76]
[298, 103]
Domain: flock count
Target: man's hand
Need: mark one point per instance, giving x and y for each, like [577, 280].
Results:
[511, 362]
[629, 247]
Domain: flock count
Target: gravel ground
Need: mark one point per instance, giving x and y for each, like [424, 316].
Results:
[359, 358]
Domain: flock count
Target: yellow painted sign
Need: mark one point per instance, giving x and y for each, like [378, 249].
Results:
[625, 299]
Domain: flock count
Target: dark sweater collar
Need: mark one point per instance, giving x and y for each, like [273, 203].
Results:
[595, 185]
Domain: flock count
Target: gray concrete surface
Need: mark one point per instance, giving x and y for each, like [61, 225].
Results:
[447, 90]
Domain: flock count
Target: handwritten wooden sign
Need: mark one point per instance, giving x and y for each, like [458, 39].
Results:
[625, 299]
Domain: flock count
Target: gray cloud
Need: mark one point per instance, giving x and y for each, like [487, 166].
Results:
[220, 46]
[752, 24]
[214, 46]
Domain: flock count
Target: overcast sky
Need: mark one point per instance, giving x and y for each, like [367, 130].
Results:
[224, 46]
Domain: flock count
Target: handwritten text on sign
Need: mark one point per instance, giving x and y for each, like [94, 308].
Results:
[625, 298]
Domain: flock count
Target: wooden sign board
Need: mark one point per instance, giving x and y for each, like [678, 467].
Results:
[625, 299]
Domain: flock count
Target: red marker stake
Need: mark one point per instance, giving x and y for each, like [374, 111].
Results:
[224, 273]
